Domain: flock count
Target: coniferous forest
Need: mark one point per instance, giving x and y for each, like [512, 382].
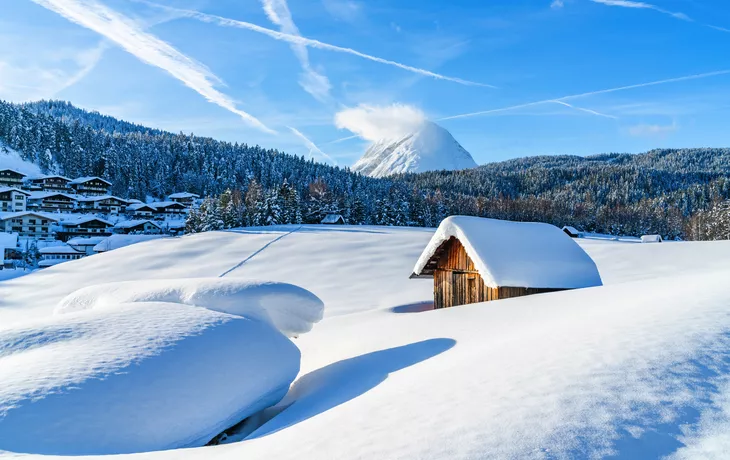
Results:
[678, 193]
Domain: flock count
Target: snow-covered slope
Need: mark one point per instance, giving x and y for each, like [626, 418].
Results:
[431, 148]
[637, 368]
[10, 159]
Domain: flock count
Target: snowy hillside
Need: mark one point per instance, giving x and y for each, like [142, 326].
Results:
[431, 148]
[636, 368]
[11, 159]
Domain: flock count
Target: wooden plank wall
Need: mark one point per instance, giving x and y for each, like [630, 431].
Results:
[456, 281]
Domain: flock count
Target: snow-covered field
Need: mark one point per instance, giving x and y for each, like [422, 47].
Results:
[636, 368]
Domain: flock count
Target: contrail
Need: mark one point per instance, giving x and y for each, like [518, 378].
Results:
[649, 6]
[583, 109]
[310, 145]
[591, 93]
[294, 39]
[342, 139]
[147, 48]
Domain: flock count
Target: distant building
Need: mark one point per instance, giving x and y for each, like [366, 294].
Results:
[8, 247]
[333, 219]
[476, 260]
[146, 227]
[84, 226]
[54, 255]
[140, 210]
[51, 202]
[91, 186]
[28, 224]
[651, 239]
[185, 198]
[176, 227]
[86, 244]
[572, 232]
[50, 183]
[107, 204]
[11, 178]
[13, 199]
[163, 209]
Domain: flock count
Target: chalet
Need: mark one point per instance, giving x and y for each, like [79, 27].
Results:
[187, 199]
[54, 255]
[107, 204]
[84, 226]
[572, 232]
[333, 219]
[51, 202]
[12, 199]
[49, 184]
[140, 210]
[651, 239]
[175, 227]
[28, 224]
[86, 244]
[11, 178]
[8, 248]
[164, 209]
[146, 227]
[91, 186]
[472, 259]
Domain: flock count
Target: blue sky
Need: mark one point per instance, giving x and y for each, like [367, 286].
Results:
[506, 78]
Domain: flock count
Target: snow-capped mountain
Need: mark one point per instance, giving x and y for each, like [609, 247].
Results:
[430, 148]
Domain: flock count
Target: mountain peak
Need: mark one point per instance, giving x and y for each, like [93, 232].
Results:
[430, 148]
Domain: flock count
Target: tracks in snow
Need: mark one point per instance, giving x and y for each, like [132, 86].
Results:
[259, 251]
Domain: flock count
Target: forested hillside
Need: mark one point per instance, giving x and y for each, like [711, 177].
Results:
[658, 192]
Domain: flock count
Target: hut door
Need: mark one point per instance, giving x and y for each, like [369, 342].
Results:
[464, 288]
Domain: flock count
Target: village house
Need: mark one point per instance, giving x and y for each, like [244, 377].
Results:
[51, 202]
[572, 232]
[85, 244]
[651, 239]
[91, 186]
[140, 210]
[163, 209]
[11, 178]
[8, 248]
[83, 226]
[333, 219]
[146, 227]
[12, 199]
[186, 199]
[106, 204]
[472, 259]
[28, 224]
[50, 183]
[54, 255]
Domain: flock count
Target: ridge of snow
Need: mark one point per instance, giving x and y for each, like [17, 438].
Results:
[430, 148]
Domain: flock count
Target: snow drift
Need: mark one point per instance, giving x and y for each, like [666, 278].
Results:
[288, 308]
[430, 148]
[136, 377]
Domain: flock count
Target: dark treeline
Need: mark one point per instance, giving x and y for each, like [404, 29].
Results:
[662, 191]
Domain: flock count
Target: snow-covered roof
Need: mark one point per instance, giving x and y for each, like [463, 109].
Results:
[50, 262]
[50, 176]
[183, 195]
[332, 219]
[161, 205]
[13, 171]
[138, 206]
[13, 189]
[102, 197]
[651, 239]
[571, 230]
[81, 180]
[516, 254]
[39, 195]
[8, 240]
[134, 223]
[78, 220]
[133, 200]
[175, 224]
[60, 249]
[86, 240]
[13, 215]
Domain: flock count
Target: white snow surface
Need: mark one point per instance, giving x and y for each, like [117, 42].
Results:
[431, 148]
[119, 241]
[10, 159]
[136, 377]
[636, 368]
[517, 254]
[288, 308]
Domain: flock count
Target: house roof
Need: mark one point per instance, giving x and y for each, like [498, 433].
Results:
[138, 206]
[13, 215]
[86, 240]
[10, 189]
[571, 230]
[82, 180]
[651, 239]
[183, 195]
[13, 171]
[331, 219]
[101, 197]
[515, 254]
[162, 205]
[50, 176]
[78, 220]
[134, 223]
[60, 249]
[42, 195]
[8, 240]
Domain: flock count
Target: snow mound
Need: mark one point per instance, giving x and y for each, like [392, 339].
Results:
[136, 377]
[288, 308]
[430, 148]
[516, 254]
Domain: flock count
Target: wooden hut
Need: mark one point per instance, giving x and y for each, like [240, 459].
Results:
[476, 260]
[333, 219]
